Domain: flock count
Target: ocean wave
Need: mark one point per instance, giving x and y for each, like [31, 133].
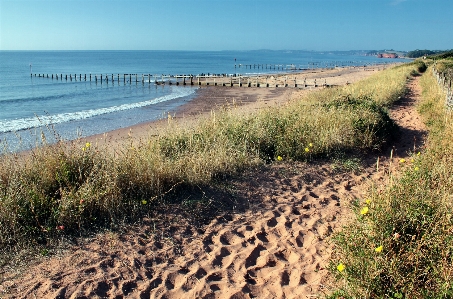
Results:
[25, 100]
[53, 92]
[38, 121]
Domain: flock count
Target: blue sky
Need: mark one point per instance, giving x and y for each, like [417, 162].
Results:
[225, 24]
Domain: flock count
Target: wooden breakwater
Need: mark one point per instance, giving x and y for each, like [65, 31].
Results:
[308, 66]
[279, 79]
[192, 80]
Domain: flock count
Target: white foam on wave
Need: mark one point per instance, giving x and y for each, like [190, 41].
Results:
[38, 121]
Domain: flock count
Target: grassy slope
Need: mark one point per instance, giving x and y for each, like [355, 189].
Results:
[412, 221]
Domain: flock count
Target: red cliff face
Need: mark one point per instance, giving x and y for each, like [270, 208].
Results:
[387, 55]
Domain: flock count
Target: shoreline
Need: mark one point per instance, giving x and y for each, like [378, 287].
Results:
[211, 98]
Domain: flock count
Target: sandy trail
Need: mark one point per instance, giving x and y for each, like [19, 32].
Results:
[274, 245]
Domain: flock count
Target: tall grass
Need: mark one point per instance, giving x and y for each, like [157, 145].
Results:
[70, 188]
[401, 244]
[385, 87]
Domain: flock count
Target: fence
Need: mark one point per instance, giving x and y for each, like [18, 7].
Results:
[444, 79]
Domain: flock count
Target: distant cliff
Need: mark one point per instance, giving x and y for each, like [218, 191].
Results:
[387, 55]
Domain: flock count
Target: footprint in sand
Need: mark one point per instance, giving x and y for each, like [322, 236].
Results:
[300, 239]
[230, 238]
[250, 261]
[220, 259]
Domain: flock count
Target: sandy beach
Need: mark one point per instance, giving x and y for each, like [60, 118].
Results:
[274, 246]
[211, 98]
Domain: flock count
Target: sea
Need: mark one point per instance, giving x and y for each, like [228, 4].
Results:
[32, 105]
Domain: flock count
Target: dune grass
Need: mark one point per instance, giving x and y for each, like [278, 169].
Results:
[401, 244]
[67, 189]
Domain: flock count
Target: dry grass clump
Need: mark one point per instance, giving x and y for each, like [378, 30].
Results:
[388, 86]
[401, 245]
[446, 67]
[68, 189]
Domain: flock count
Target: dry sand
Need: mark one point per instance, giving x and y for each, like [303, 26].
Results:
[277, 247]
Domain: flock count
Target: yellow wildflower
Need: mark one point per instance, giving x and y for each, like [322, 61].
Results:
[279, 158]
[368, 201]
[87, 146]
[379, 249]
[144, 202]
[341, 267]
[418, 154]
[416, 168]
[364, 211]
[311, 144]
[307, 149]
[402, 160]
